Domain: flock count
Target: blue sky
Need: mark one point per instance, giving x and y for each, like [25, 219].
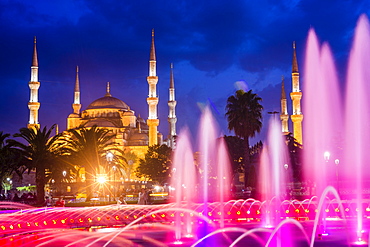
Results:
[213, 45]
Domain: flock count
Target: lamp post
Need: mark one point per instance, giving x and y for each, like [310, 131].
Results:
[109, 158]
[114, 181]
[327, 156]
[336, 161]
[64, 177]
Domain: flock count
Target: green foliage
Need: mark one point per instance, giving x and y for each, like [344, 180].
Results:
[156, 164]
[11, 160]
[26, 188]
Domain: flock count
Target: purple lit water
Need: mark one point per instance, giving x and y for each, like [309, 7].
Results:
[322, 124]
[357, 155]
[341, 130]
[273, 173]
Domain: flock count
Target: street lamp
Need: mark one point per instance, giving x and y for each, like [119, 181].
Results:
[109, 158]
[326, 156]
[114, 181]
[336, 161]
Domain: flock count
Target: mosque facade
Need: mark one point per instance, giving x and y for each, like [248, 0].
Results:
[132, 132]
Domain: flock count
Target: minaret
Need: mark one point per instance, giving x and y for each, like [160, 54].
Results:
[152, 99]
[34, 85]
[172, 113]
[76, 103]
[296, 96]
[284, 109]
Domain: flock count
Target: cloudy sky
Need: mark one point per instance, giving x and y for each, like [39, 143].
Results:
[214, 45]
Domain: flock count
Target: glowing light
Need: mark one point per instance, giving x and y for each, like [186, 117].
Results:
[238, 213]
[248, 212]
[307, 211]
[337, 210]
[367, 209]
[101, 179]
[327, 210]
[287, 211]
[177, 242]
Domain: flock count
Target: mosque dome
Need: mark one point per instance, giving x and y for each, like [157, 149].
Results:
[108, 102]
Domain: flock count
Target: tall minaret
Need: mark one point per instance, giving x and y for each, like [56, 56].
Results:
[284, 109]
[152, 99]
[172, 113]
[296, 96]
[34, 85]
[76, 103]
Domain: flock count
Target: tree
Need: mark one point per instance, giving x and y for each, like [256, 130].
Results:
[156, 164]
[11, 159]
[87, 147]
[244, 116]
[41, 151]
[236, 152]
[295, 155]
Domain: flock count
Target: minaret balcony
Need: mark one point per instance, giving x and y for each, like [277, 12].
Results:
[34, 84]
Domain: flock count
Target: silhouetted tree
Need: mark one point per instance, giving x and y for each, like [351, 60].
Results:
[244, 116]
[11, 159]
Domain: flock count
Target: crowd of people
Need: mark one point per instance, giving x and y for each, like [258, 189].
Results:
[144, 197]
[27, 198]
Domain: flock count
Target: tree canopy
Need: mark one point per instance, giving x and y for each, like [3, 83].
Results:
[156, 164]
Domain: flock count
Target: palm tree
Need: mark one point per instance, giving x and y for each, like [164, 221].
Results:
[244, 116]
[88, 147]
[41, 151]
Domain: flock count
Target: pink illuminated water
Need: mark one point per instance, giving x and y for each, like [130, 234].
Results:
[330, 126]
[273, 176]
[322, 113]
[183, 179]
[357, 155]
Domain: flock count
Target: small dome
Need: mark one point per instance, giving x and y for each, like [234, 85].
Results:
[108, 102]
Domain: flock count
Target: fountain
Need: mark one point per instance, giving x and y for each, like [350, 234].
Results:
[201, 214]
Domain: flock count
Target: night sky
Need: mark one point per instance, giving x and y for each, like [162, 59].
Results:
[214, 45]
